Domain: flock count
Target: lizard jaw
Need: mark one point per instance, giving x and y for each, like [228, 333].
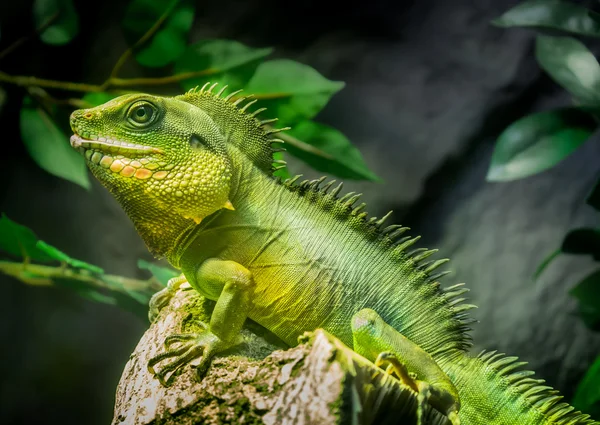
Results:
[118, 157]
[111, 146]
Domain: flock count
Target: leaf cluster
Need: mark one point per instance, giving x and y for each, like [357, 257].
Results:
[157, 32]
[539, 141]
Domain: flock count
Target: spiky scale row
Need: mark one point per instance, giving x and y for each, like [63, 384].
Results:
[273, 145]
[532, 391]
[390, 238]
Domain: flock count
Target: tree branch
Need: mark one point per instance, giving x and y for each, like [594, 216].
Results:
[39, 275]
[143, 39]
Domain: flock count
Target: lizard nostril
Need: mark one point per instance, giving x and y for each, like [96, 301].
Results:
[88, 115]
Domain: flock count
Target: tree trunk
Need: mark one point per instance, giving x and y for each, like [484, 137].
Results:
[321, 381]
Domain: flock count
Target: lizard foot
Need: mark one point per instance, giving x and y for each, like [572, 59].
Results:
[162, 297]
[202, 345]
[423, 389]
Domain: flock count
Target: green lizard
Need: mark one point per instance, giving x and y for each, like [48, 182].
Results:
[195, 175]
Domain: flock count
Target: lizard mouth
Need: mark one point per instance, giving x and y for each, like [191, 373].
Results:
[107, 145]
[123, 158]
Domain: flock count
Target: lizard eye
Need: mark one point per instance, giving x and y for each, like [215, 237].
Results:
[141, 113]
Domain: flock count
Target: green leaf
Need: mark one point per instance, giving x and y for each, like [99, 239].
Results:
[588, 391]
[65, 22]
[169, 42]
[587, 292]
[583, 241]
[225, 61]
[20, 241]
[545, 263]
[593, 198]
[290, 90]
[57, 254]
[552, 14]
[344, 159]
[98, 98]
[162, 274]
[571, 65]
[538, 142]
[49, 147]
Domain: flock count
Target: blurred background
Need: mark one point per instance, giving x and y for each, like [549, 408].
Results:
[429, 88]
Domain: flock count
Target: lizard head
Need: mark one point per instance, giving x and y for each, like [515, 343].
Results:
[159, 157]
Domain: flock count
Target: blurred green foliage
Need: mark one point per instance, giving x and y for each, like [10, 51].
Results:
[25, 253]
[539, 141]
[158, 32]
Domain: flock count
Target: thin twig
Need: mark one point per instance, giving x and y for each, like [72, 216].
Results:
[39, 275]
[43, 95]
[303, 146]
[26, 38]
[27, 81]
[147, 35]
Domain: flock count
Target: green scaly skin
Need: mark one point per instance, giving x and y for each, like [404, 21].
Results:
[195, 175]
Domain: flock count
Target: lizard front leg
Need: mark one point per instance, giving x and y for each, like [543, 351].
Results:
[232, 285]
[382, 344]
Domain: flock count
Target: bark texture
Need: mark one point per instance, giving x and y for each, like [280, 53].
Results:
[321, 381]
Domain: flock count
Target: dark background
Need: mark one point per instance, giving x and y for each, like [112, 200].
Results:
[430, 84]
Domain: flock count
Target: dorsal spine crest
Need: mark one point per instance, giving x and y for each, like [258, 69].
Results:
[391, 238]
[241, 128]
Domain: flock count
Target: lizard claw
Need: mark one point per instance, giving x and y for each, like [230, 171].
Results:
[192, 346]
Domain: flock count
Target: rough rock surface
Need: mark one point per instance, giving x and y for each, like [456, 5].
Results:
[319, 382]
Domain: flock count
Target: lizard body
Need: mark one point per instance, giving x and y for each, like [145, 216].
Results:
[194, 173]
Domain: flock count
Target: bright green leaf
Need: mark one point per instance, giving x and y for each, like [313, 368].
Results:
[587, 292]
[224, 61]
[49, 147]
[593, 198]
[20, 241]
[538, 142]
[98, 98]
[552, 14]
[291, 91]
[65, 22]
[545, 263]
[582, 241]
[571, 65]
[162, 274]
[588, 391]
[344, 159]
[58, 255]
[169, 42]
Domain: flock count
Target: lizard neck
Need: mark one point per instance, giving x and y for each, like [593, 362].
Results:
[159, 226]
[251, 193]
